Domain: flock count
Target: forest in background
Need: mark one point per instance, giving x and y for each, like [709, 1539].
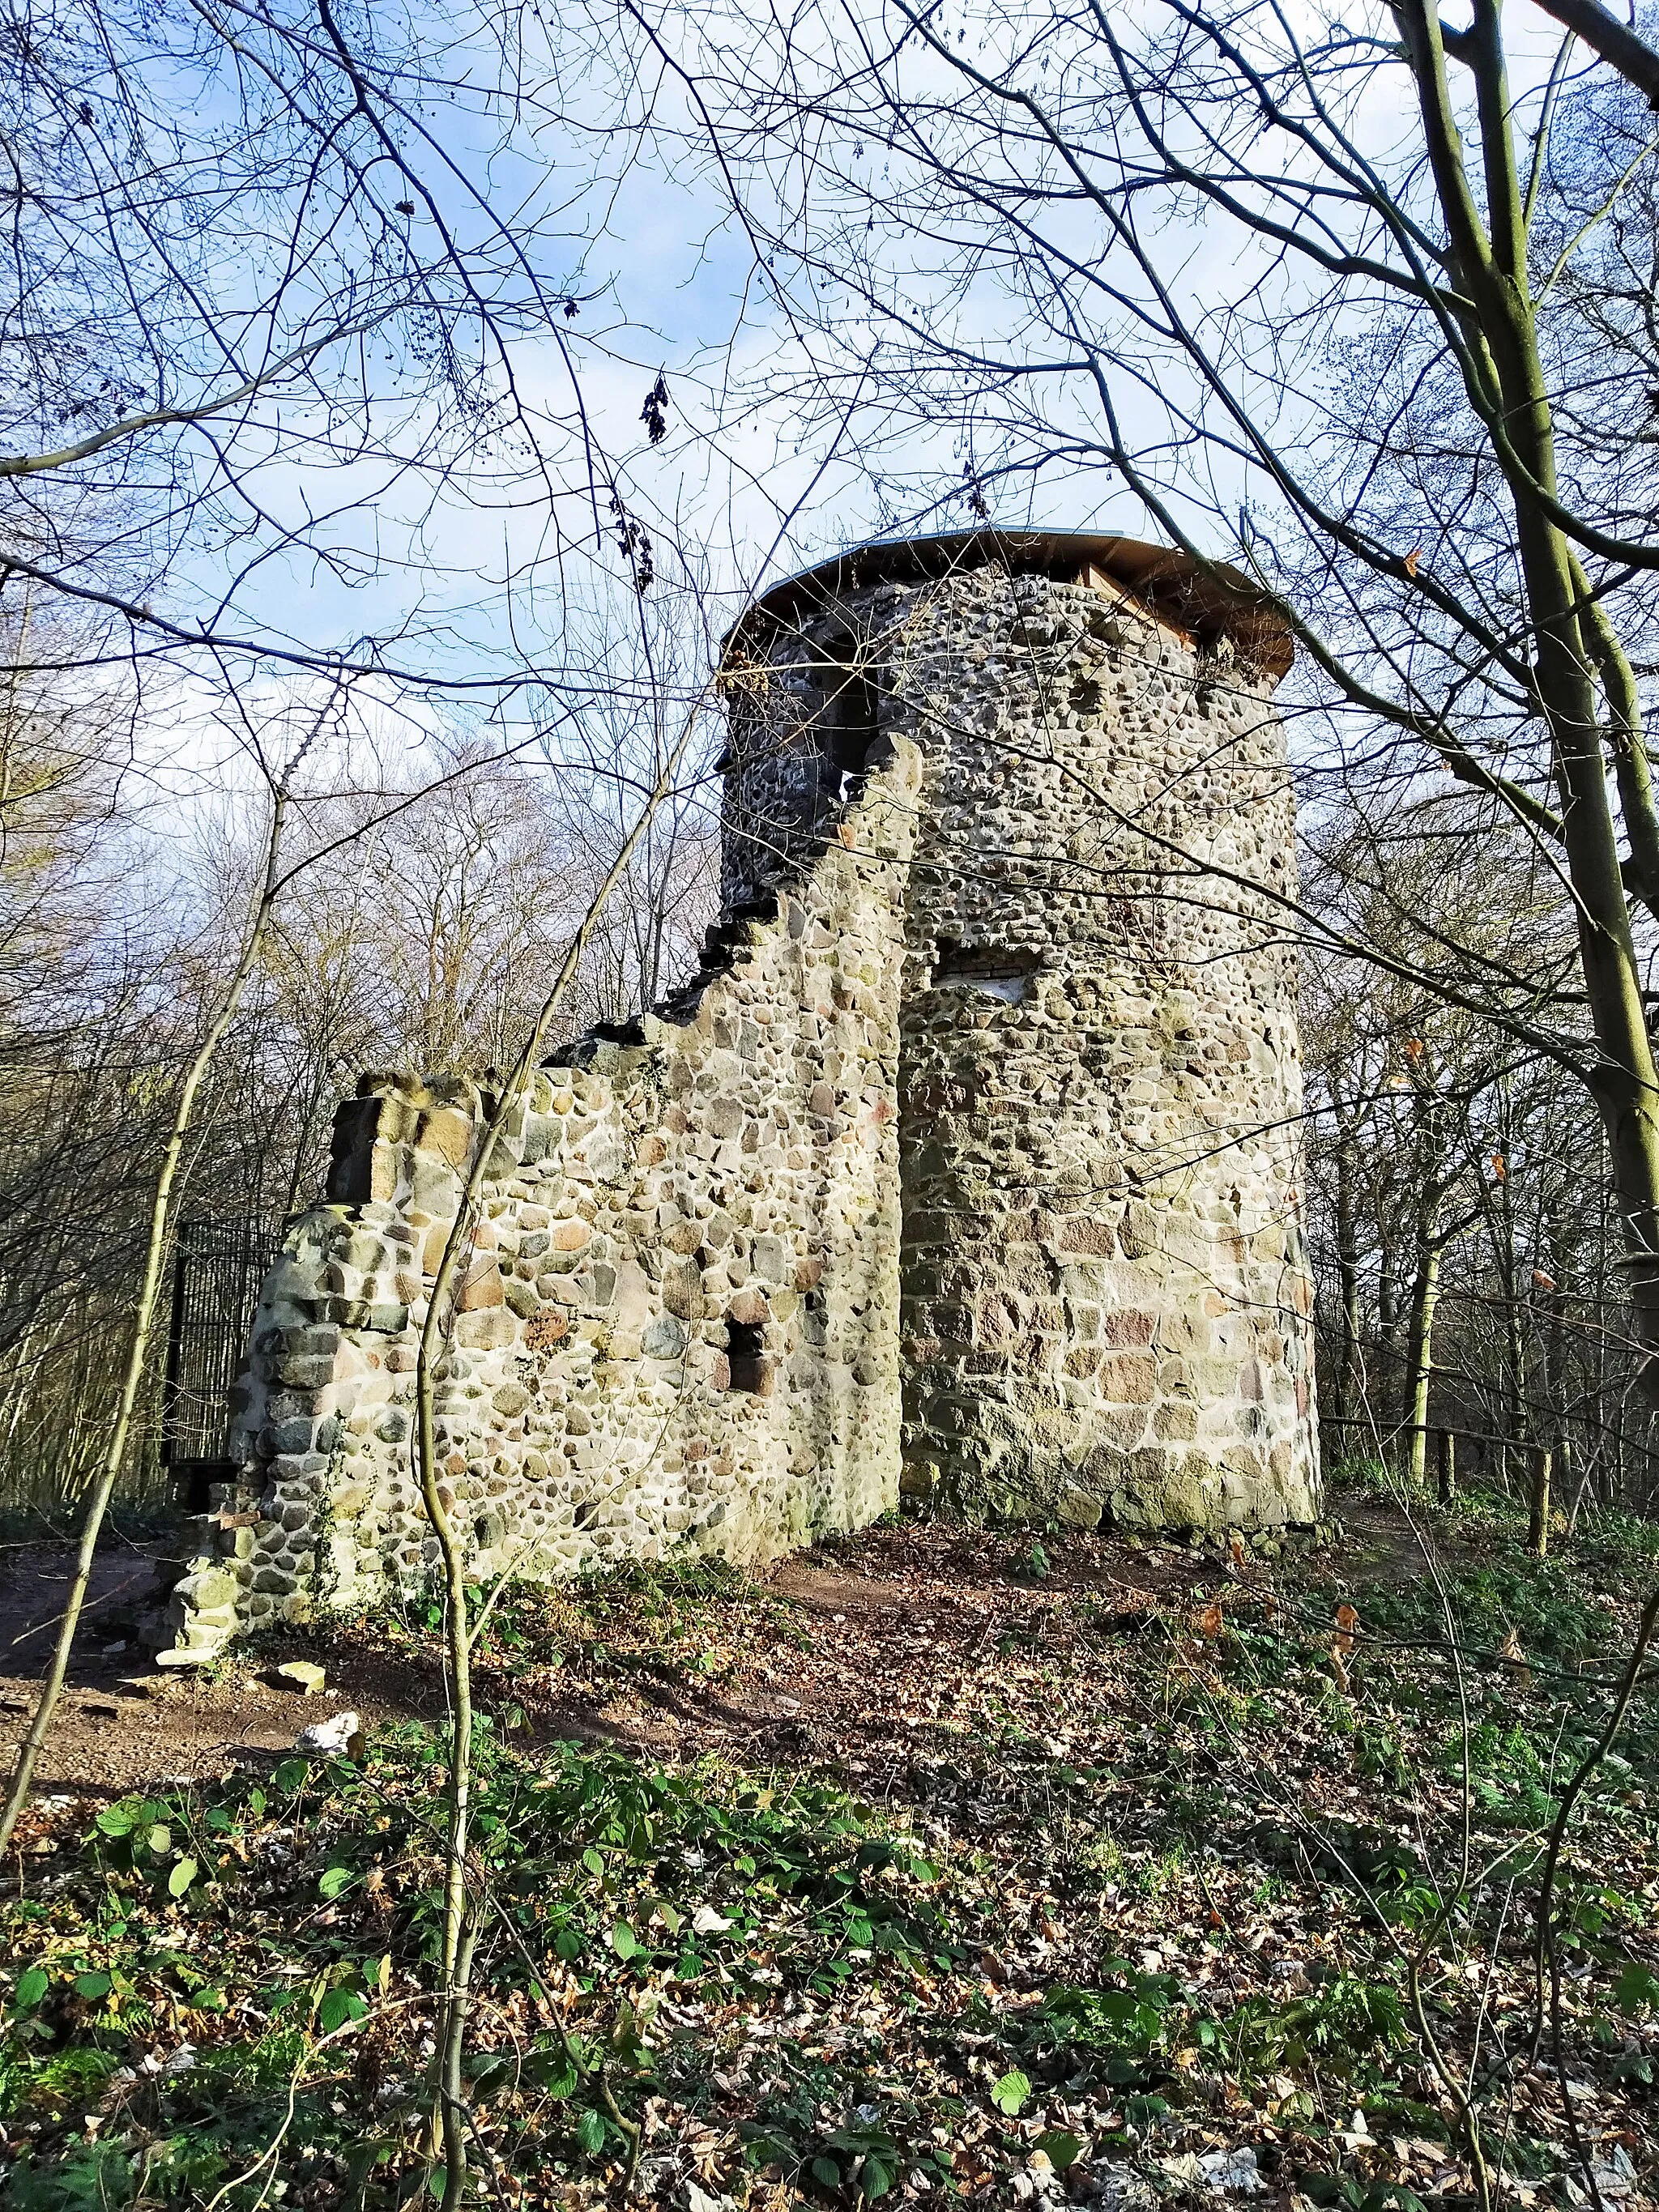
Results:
[278, 353]
[1464, 1237]
[433, 889]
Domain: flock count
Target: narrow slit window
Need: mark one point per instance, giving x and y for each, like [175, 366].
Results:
[852, 730]
[745, 1355]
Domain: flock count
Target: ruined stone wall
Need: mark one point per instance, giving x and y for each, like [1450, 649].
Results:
[1106, 1297]
[997, 1089]
[678, 1323]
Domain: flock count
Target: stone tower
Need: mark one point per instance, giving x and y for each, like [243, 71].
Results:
[1105, 1297]
[968, 1162]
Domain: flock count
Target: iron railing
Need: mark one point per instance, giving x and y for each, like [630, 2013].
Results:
[218, 1269]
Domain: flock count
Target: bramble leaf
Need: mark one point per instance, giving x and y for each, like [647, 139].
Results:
[1010, 2094]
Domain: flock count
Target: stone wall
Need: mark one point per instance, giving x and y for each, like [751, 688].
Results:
[678, 1318]
[990, 1083]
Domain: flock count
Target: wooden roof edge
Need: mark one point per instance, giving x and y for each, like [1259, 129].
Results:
[1202, 601]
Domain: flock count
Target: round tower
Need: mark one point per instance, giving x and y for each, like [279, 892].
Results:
[1105, 1296]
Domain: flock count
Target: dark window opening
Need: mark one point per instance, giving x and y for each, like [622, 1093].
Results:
[999, 971]
[851, 730]
[745, 1354]
[849, 720]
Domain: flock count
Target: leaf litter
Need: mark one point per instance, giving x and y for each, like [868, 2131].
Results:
[938, 1866]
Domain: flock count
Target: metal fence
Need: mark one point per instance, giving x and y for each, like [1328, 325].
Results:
[218, 1269]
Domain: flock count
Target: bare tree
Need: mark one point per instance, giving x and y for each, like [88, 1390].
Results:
[297, 311]
[1458, 1190]
[136, 1359]
[1299, 293]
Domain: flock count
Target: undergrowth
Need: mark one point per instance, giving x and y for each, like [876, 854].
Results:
[1143, 1890]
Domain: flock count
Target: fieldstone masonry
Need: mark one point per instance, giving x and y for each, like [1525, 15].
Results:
[966, 1164]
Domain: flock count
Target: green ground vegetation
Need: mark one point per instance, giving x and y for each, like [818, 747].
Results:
[1167, 1886]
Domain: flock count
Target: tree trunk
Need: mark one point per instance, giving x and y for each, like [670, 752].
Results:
[451, 2119]
[1538, 1519]
[1347, 1268]
[1513, 1413]
[1578, 1491]
[1419, 1360]
[1386, 1371]
[1446, 1473]
[1508, 386]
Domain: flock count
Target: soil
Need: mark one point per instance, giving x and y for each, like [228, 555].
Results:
[835, 1656]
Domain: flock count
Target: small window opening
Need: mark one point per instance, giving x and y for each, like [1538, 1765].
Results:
[852, 729]
[849, 720]
[745, 1354]
[996, 971]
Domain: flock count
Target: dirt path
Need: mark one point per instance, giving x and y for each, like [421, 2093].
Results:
[839, 1654]
[124, 1724]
